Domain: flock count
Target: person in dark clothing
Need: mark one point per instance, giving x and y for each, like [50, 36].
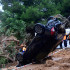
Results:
[61, 45]
[69, 38]
[65, 41]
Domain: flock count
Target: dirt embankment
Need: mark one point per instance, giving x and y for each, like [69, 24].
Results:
[59, 61]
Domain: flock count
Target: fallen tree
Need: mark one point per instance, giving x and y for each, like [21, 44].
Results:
[7, 56]
[8, 48]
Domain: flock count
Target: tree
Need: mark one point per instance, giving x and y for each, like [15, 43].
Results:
[11, 20]
[19, 14]
[32, 14]
[66, 8]
[57, 1]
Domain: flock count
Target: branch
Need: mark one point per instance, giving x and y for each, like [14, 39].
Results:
[7, 56]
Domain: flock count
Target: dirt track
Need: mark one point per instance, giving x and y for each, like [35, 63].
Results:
[59, 61]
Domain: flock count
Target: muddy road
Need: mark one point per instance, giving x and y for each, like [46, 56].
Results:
[59, 61]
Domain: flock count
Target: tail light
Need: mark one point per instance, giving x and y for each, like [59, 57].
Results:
[52, 31]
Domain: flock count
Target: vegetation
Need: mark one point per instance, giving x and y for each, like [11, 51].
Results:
[20, 14]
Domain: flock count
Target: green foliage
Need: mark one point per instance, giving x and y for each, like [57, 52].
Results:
[63, 6]
[28, 2]
[32, 14]
[11, 49]
[3, 60]
[12, 25]
[19, 14]
[58, 1]
[66, 8]
[51, 10]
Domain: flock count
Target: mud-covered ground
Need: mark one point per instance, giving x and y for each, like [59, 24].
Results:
[59, 61]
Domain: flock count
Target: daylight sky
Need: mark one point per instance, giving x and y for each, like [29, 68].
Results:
[1, 8]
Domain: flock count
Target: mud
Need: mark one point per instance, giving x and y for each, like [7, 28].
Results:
[59, 61]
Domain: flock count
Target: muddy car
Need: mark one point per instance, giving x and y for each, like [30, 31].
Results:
[46, 40]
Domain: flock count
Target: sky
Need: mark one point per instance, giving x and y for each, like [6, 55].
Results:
[1, 8]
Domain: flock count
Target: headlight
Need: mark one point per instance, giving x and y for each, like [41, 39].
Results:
[39, 28]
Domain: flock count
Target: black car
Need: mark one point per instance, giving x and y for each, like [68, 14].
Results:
[45, 41]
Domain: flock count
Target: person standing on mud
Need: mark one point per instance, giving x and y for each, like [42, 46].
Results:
[61, 44]
[69, 38]
[65, 41]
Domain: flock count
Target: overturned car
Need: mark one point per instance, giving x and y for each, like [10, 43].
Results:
[46, 40]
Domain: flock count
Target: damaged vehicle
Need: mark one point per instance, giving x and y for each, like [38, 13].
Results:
[47, 38]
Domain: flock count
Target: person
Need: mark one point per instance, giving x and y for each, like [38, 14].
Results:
[65, 41]
[23, 47]
[69, 38]
[20, 55]
[61, 44]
